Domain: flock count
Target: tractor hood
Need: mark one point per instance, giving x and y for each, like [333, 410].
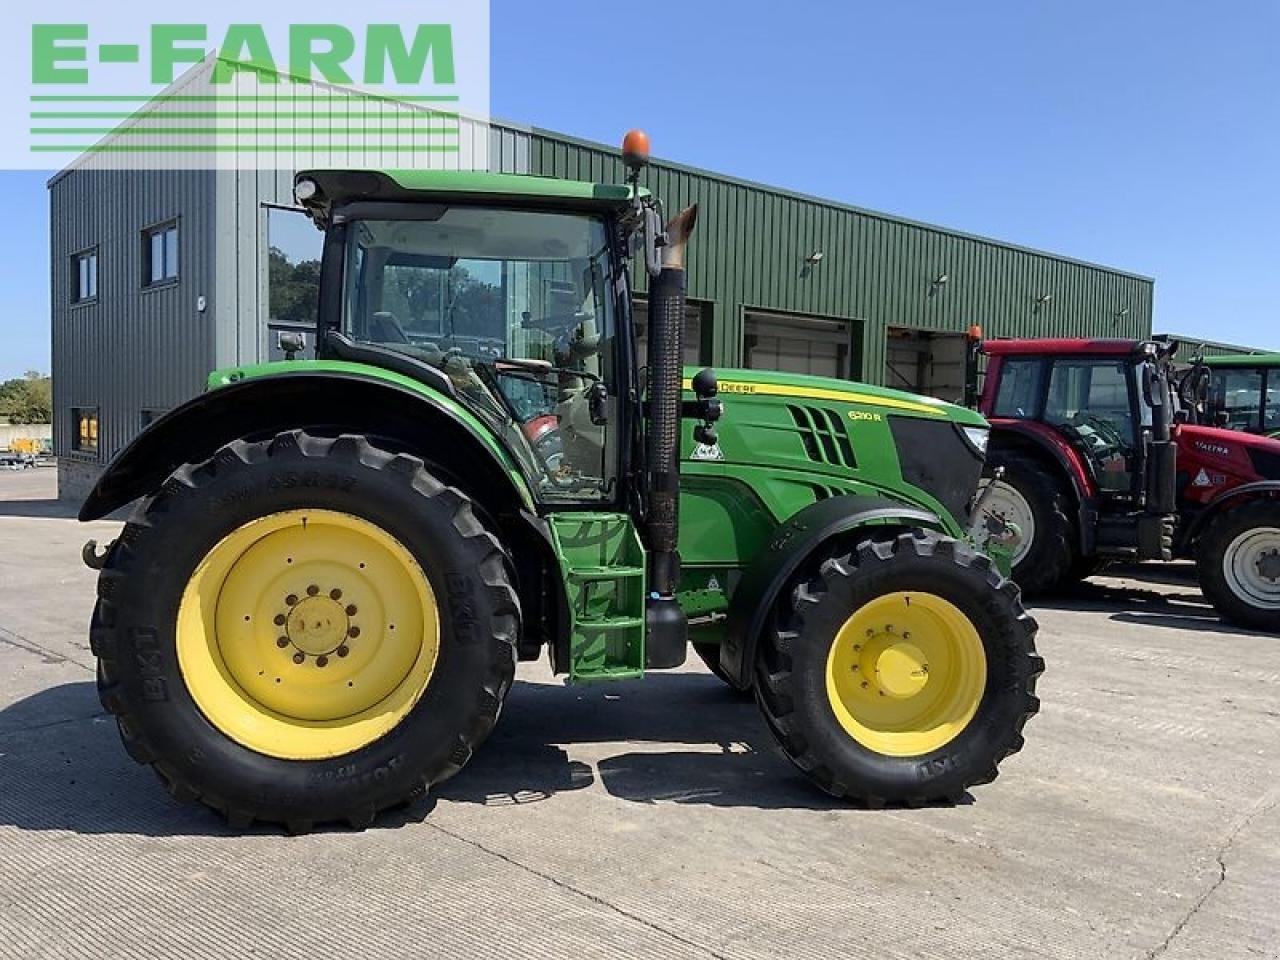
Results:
[875, 399]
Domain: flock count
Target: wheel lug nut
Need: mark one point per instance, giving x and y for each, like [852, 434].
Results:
[299, 657]
[291, 599]
[343, 651]
[282, 642]
[335, 594]
[351, 610]
[280, 620]
[353, 632]
[322, 661]
[312, 590]
[865, 684]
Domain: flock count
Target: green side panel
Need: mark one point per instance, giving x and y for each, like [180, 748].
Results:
[229, 375]
[782, 453]
[1249, 361]
[603, 565]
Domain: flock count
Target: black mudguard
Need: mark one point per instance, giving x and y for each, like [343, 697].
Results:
[263, 406]
[774, 568]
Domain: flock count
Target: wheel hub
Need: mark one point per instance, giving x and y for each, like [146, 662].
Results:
[1269, 565]
[317, 625]
[898, 668]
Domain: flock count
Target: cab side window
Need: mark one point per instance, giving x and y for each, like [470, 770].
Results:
[1020, 388]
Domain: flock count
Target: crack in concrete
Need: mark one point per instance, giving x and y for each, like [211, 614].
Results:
[570, 888]
[1264, 805]
[19, 642]
[52, 723]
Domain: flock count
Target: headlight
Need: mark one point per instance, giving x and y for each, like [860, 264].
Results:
[977, 437]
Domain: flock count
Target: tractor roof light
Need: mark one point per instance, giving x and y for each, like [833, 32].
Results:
[635, 151]
[305, 189]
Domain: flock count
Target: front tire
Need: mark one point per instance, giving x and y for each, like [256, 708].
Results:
[304, 630]
[903, 672]
[1238, 561]
[1031, 496]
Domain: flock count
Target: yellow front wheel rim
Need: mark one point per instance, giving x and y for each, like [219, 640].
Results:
[307, 634]
[906, 673]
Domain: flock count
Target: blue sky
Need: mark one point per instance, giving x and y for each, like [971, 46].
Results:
[1144, 136]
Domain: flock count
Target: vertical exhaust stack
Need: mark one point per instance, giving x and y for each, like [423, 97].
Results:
[667, 626]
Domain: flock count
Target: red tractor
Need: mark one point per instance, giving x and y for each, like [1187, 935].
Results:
[1091, 459]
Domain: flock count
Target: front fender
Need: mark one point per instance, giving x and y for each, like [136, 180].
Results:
[794, 542]
[336, 398]
[1224, 500]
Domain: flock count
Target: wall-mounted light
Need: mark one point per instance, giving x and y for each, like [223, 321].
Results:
[942, 279]
[814, 258]
[1122, 312]
[1044, 298]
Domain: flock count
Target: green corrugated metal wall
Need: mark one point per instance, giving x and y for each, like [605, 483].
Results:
[877, 271]
[1197, 346]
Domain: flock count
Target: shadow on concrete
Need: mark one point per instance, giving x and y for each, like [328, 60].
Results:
[730, 758]
[52, 509]
[1205, 624]
[62, 767]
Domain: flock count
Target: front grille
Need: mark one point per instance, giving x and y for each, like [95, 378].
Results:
[824, 435]
[934, 456]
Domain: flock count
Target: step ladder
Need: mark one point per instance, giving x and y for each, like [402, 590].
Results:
[602, 561]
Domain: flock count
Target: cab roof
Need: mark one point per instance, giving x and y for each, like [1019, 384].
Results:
[1060, 346]
[344, 186]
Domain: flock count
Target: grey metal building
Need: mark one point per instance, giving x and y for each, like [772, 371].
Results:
[160, 276]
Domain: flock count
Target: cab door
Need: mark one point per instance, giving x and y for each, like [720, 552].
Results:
[1094, 403]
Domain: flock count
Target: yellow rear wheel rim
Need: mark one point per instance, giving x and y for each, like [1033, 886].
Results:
[307, 634]
[906, 673]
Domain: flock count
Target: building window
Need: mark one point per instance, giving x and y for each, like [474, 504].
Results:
[149, 416]
[160, 254]
[84, 429]
[84, 276]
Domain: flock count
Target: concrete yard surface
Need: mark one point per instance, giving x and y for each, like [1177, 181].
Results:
[657, 819]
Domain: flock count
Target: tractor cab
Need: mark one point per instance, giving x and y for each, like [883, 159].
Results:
[1234, 392]
[1099, 413]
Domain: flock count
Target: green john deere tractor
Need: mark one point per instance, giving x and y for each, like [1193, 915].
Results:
[335, 563]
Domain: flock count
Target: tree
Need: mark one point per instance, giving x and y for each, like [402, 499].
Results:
[28, 399]
[294, 288]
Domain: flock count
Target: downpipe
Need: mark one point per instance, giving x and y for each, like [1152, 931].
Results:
[667, 627]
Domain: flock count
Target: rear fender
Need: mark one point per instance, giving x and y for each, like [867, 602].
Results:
[792, 545]
[405, 419]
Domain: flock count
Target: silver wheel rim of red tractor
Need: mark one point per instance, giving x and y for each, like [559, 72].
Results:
[1242, 567]
[1005, 501]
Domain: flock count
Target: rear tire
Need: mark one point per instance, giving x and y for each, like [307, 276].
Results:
[710, 655]
[845, 749]
[1240, 546]
[142, 637]
[1052, 557]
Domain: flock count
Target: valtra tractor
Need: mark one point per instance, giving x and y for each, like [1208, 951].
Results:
[318, 604]
[1092, 460]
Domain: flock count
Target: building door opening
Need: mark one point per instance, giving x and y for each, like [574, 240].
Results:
[697, 326]
[798, 344]
[925, 361]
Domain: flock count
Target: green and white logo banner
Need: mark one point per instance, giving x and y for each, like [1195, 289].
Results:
[150, 85]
